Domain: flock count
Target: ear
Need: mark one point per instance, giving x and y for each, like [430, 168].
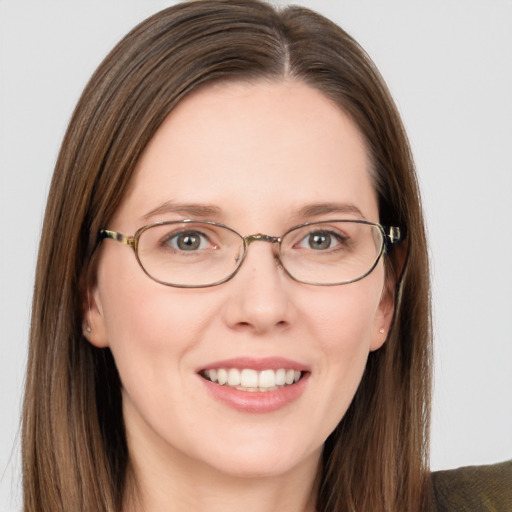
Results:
[383, 318]
[93, 320]
[386, 308]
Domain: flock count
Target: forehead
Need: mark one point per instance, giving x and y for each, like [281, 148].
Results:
[252, 149]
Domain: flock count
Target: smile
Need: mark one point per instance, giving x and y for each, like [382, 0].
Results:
[251, 380]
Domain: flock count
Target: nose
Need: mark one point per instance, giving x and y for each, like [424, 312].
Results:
[259, 293]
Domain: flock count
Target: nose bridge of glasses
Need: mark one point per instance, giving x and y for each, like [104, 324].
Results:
[261, 238]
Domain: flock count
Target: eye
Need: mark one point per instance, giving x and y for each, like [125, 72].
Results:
[321, 240]
[187, 241]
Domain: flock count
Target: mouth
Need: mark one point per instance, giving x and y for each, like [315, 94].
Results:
[251, 380]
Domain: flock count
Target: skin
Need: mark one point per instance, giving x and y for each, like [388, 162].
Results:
[258, 152]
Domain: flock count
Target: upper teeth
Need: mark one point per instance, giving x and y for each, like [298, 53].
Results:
[248, 379]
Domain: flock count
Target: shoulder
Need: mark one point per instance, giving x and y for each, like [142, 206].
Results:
[474, 488]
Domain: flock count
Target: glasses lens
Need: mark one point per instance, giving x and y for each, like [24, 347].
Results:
[189, 253]
[333, 252]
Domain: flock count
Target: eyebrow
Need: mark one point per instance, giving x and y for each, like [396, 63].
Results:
[210, 211]
[191, 210]
[317, 209]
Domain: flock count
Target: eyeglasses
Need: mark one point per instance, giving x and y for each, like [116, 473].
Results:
[196, 254]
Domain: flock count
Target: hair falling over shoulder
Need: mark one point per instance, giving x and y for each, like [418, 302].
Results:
[74, 448]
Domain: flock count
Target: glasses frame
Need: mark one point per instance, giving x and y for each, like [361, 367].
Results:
[391, 235]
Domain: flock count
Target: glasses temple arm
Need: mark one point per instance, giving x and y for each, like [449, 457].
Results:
[116, 236]
[393, 235]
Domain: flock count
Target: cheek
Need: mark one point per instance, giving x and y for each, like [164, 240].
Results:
[153, 321]
[344, 323]
[345, 316]
[153, 339]
[149, 325]
[344, 333]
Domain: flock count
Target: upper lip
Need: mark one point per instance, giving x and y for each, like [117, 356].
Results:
[259, 364]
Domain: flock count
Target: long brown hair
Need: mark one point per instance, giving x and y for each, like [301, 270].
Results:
[74, 448]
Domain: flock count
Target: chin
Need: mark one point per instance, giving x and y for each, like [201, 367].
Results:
[262, 460]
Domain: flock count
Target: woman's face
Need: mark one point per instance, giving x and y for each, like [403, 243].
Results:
[260, 158]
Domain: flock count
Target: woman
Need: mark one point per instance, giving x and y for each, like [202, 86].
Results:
[243, 120]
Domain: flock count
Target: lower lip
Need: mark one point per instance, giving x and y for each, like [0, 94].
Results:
[257, 401]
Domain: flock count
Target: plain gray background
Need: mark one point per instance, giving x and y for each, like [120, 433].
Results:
[449, 66]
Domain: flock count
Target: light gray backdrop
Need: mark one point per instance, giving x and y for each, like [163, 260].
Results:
[449, 67]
